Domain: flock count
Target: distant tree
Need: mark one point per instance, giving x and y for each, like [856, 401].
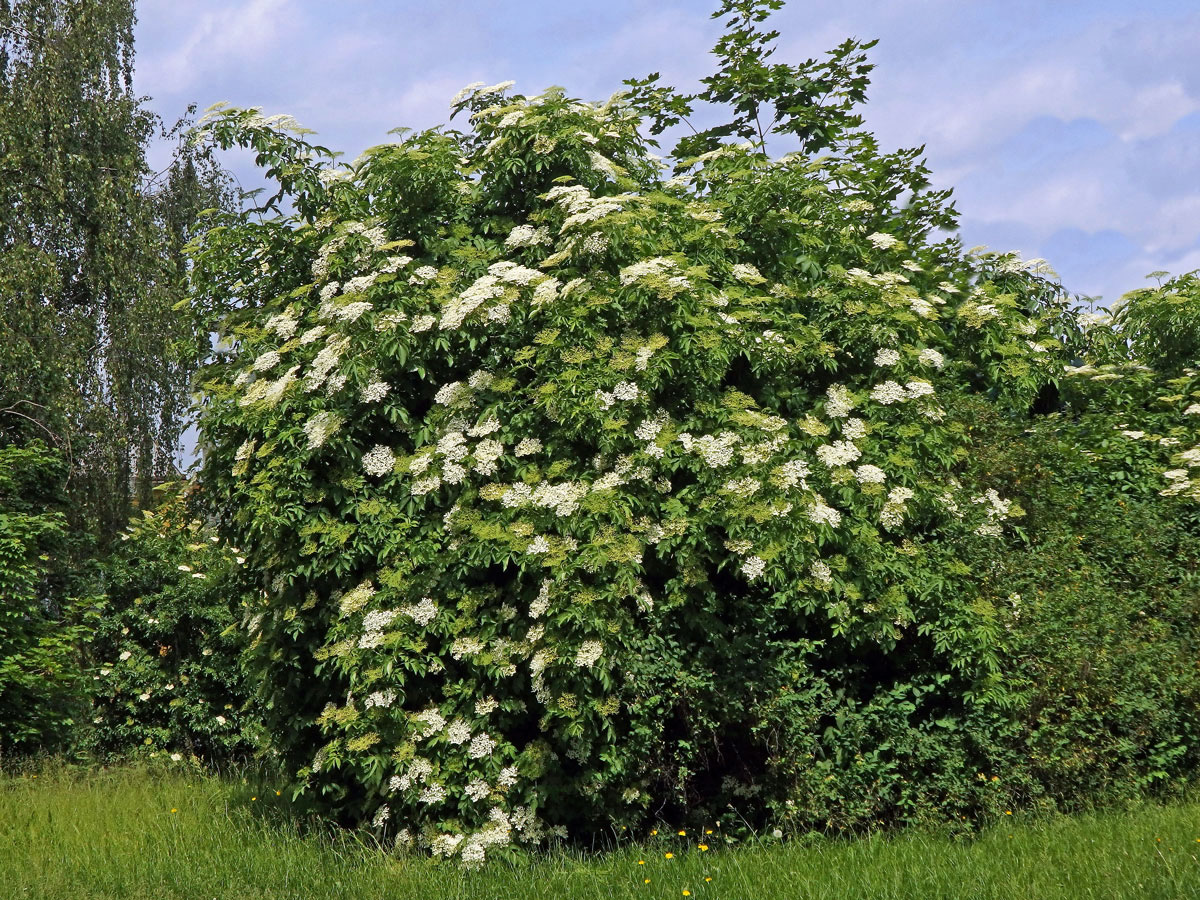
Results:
[94, 355]
[97, 351]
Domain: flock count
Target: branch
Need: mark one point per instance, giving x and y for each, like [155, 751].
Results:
[58, 442]
[22, 33]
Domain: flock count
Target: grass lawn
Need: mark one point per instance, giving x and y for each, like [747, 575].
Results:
[135, 833]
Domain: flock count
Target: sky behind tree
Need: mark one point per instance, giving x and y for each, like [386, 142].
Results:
[1069, 130]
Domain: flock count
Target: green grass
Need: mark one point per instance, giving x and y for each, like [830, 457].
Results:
[136, 833]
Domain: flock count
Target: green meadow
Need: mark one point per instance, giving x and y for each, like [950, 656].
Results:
[132, 832]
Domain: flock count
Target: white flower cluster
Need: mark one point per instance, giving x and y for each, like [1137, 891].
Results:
[528, 236]
[886, 356]
[791, 473]
[622, 391]
[379, 461]
[838, 401]
[996, 510]
[266, 361]
[931, 357]
[422, 613]
[658, 267]
[753, 567]
[325, 362]
[883, 241]
[589, 653]
[892, 515]
[381, 699]
[527, 447]
[320, 427]
[715, 450]
[854, 429]
[452, 394]
[890, 392]
[375, 391]
[823, 514]
[868, 474]
[839, 453]
[747, 274]
[283, 325]
[742, 487]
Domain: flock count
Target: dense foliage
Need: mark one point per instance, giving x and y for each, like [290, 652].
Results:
[576, 496]
[97, 351]
[164, 650]
[559, 488]
[41, 621]
[91, 257]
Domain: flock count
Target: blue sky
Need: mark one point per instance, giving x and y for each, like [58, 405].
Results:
[1069, 129]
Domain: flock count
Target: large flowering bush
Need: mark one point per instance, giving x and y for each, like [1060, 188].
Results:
[566, 482]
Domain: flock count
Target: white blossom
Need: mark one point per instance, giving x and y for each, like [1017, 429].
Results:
[753, 567]
[527, 447]
[375, 391]
[481, 745]
[839, 402]
[266, 361]
[823, 514]
[747, 273]
[422, 613]
[839, 453]
[589, 652]
[868, 474]
[320, 426]
[379, 461]
[883, 241]
[888, 393]
[931, 357]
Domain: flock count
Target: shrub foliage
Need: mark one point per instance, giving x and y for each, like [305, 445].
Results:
[575, 497]
[164, 651]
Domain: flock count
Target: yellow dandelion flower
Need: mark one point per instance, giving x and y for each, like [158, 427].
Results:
[686, 892]
[645, 881]
[641, 862]
[683, 834]
[708, 831]
[1008, 812]
[653, 831]
[709, 878]
[252, 799]
[703, 847]
[278, 793]
[174, 810]
[668, 855]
